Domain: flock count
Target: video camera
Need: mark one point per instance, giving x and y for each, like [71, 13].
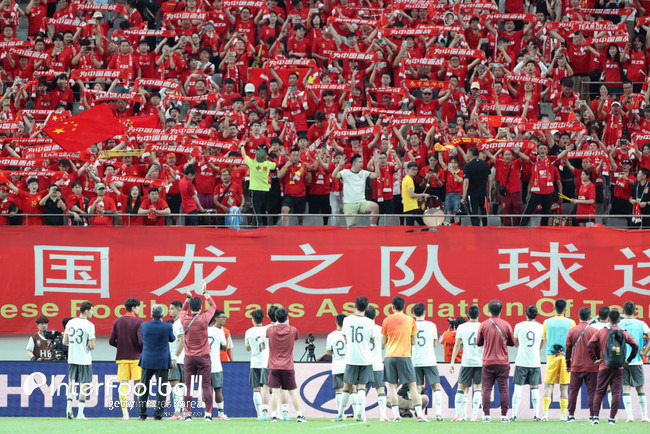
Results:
[60, 351]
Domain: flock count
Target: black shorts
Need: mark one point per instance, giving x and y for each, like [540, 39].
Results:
[525, 375]
[297, 205]
[378, 379]
[427, 373]
[80, 373]
[358, 374]
[469, 375]
[337, 381]
[633, 375]
[399, 370]
[177, 374]
[265, 376]
[255, 377]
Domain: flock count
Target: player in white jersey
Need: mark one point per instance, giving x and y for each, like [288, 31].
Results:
[255, 342]
[335, 347]
[470, 365]
[79, 336]
[424, 357]
[218, 342]
[176, 348]
[633, 371]
[378, 368]
[359, 332]
[529, 339]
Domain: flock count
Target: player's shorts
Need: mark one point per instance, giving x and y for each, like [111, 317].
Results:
[337, 381]
[296, 204]
[265, 376]
[128, 370]
[284, 379]
[556, 370]
[357, 374]
[80, 373]
[430, 373]
[399, 370]
[526, 375]
[469, 375]
[255, 377]
[377, 379]
[633, 375]
[217, 380]
[355, 208]
[177, 374]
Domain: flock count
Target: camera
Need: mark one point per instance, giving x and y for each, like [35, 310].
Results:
[310, 339]
[60, 351]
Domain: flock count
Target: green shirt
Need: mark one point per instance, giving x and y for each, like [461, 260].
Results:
[259, 173]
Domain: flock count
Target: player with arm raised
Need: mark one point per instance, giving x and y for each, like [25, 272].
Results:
[79, 336]
[529, 339]
[359, 333]
[424, 357]
[255, 342]
[470, 365]
[336, 347]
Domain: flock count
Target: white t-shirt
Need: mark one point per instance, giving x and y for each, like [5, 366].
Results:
[30, 343]
[354, 185]
[254, 338]
[530, 335]
[265, 354]
[216, 338]
[358, 331]
[472, 354]
[425, 341]
[375, 349]
[79, 331]
[337, 345]
[177, 329]
[600, 325]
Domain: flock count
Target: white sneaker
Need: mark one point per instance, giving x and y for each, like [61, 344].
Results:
[487, 419]
[81, 417]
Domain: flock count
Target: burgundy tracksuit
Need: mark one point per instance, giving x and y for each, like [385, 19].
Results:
[607, 376]
[197, 352]
[495, 336]
[581, 366]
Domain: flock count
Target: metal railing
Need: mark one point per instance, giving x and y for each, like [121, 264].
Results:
[252, 221]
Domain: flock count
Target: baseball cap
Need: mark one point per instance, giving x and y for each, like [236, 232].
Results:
[250, 87]
[555, 132]
[100, 186]
[171, 154]
[626, 161]
[616, 102]
[4, 187]
[98, 15]
[475, 85]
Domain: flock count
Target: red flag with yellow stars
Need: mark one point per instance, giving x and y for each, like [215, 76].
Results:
[79, 132]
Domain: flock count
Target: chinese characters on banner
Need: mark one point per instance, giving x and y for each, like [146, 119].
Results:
[317, 272]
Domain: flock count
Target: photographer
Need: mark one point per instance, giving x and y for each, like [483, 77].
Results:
[38, 346]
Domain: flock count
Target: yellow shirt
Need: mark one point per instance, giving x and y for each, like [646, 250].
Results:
[398, 329]
[409, 203]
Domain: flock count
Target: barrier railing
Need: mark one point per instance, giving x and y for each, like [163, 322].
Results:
[250, 221]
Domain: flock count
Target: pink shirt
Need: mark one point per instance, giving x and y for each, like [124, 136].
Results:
[196, 339]
[281, 339]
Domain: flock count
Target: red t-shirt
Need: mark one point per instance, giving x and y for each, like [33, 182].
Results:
[513, 183]
[228, 196]
[29, 204]
[281, 339]
[451, 184]
[153, 219]
[587, 191]
[294, 180]
[106, 204]
[187, 191]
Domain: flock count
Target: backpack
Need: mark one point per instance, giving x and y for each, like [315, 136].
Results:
[615, 349]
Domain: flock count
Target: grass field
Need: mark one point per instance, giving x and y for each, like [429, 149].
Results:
[248, 425]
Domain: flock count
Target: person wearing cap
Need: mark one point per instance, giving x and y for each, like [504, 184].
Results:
[101, 206]
[153, 206]
[252, 102]
[614, 125]
[53, 207]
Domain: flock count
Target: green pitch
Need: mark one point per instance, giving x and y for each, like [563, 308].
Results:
[248, 425]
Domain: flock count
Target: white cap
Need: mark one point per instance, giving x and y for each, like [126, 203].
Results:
[98, 15]
[555, 132]
[250, 87]
[475, 85]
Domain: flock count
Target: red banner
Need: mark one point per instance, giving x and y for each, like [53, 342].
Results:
[316, 273]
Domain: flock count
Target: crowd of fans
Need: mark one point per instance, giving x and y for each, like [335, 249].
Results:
[551, 94]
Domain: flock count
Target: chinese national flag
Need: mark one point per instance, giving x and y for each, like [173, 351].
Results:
[79, 132]
[147, 121]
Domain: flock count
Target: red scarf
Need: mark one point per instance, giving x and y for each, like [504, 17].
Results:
[536, 175]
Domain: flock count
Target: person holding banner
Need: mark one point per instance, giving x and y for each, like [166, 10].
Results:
[508, 177]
